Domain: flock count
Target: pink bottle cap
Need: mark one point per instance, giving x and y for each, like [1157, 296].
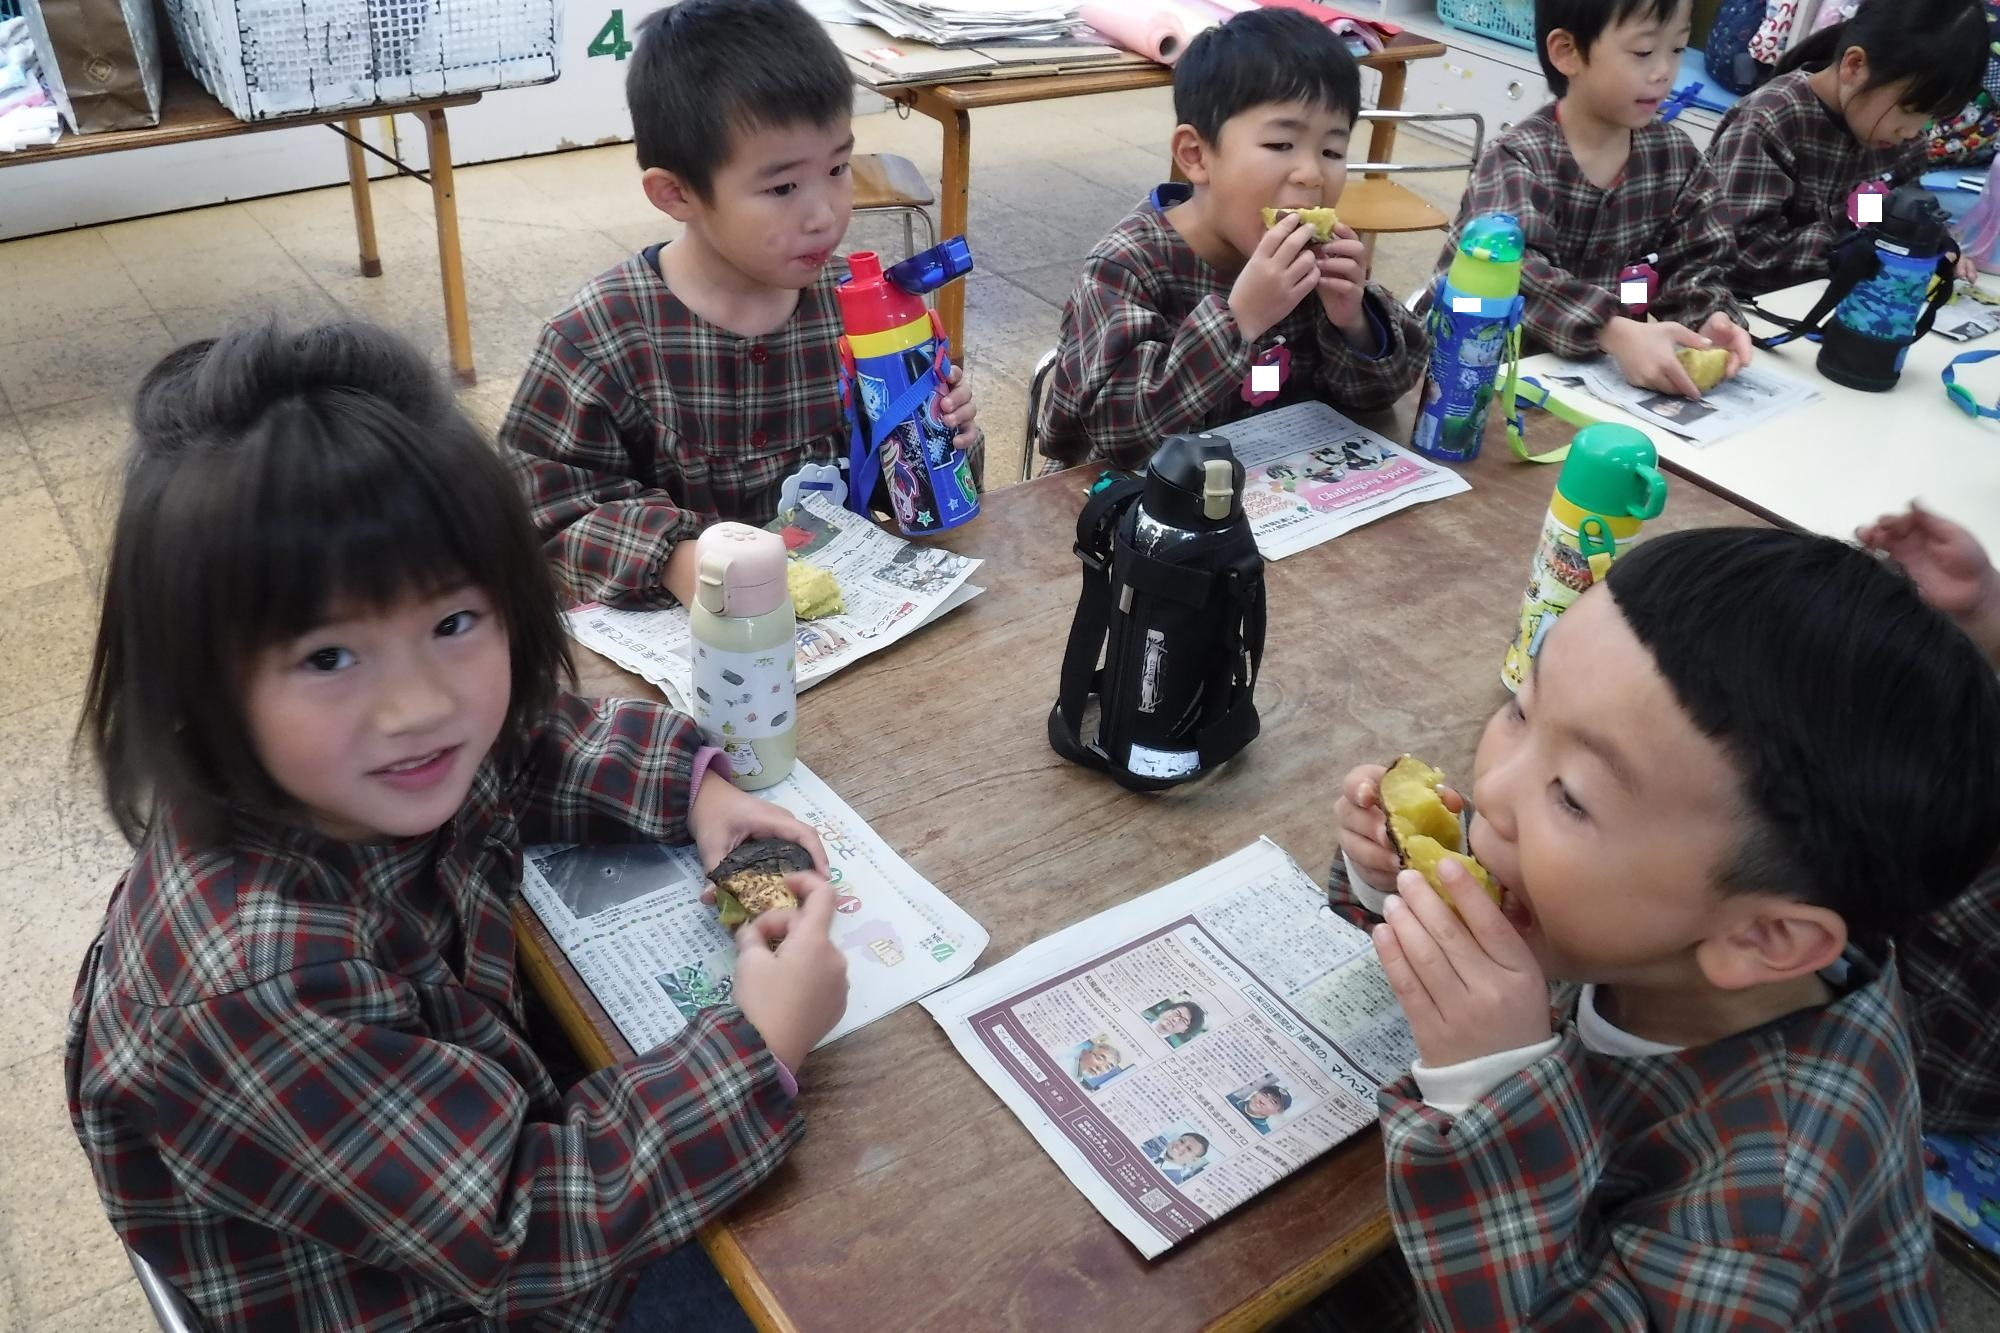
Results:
[739, 570]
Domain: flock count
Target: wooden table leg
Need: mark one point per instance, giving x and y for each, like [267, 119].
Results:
[457, 324]
[364, 204]
[953, 206]
[1382, 134]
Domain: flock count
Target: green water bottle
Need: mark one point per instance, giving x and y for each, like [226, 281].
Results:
[1609, 486]
[1475, 308]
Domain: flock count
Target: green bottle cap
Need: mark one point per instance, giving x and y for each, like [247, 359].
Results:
[1488, 262]
[1613, 469]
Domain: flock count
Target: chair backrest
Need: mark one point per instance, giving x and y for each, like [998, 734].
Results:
[170, 1308]
[1032, 430]
[1477, 121]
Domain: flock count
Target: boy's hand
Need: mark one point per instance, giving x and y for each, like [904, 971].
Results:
[954, 408]
[1950, 568]
[1343, 282]
[791, 979]
[724, 817]
[1645, 353]
[1281, 270]
[1722, 331]
[1364, 831]
[1468, 985]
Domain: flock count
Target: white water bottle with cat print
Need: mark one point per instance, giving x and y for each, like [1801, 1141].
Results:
[745, 687]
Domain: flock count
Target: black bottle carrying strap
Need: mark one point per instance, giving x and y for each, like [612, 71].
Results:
[1108, 566]
[1854, 262]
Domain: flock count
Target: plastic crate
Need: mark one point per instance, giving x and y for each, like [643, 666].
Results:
[1509, 21]
[266, 58]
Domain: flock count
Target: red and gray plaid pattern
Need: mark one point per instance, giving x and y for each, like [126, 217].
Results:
[1149, 349]
[1771, 1180]
[1786, 164]
[638, 423]
[1951, 971]
[1580, 236]
[298, 1069]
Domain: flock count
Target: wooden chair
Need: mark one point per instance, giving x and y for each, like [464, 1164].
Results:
[885, 183]
[1373, 204]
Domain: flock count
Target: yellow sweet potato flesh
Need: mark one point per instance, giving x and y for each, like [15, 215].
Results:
[1321, 220]
[1704, 365]
[1426, 834]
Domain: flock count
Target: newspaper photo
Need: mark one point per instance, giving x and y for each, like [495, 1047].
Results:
[891, 587]
[631, 921]
[1187, 1049]
[1967, 316]
[1755, 396]
[1310, 474]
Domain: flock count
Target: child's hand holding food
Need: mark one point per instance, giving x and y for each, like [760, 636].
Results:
[1466, 979]
[1364, 830]
[791, 979]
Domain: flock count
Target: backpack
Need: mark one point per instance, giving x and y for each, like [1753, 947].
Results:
[1727, 54]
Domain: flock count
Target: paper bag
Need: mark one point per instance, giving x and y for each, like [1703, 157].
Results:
[102, 61]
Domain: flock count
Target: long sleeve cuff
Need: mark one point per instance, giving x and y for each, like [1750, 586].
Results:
[1364, 893]
[1453, 1088]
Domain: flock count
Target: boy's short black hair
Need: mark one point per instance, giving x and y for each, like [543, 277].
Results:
[706, 69]
[1864, 724]
[1260, 56]
[276, 475]
[1586, 20]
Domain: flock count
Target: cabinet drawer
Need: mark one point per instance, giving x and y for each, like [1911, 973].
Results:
[1462, 80]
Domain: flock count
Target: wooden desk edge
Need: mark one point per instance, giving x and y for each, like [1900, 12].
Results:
[1320, 1273]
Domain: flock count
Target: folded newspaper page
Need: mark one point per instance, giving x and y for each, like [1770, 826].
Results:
[1189, 1048]
[1310, 475]
[892, 588]
[1966, 316]
[1754, 397]
[631, 920]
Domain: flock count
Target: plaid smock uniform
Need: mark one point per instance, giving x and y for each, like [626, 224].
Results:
[1150, 349]
[1770, 1180]
[1579, 236]
[298, 1070]
[1951, 970]
[638, 423]
[1786, 163]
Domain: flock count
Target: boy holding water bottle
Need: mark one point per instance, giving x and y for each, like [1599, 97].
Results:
[691, 381]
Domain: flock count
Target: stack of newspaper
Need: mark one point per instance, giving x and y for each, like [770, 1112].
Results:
[958, 22]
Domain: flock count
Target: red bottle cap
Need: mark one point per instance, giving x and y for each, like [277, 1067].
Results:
[870, 303]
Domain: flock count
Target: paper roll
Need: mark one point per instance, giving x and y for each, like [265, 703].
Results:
[1157, 29]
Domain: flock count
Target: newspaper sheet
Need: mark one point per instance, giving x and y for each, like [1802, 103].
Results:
[1755, 396]
[1310, 475]
[1189, 1048]
[631, 921]
[892, 588]
[1966, 316]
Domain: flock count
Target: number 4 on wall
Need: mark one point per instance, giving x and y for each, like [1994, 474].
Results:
[610, 39]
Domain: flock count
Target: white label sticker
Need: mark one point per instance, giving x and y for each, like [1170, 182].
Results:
[1464, 305]
[1869, 209]
[743, 696]
[1632, 291]
[1263, 379]
[1148, 763]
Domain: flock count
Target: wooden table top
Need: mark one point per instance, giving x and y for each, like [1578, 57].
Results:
[189, 113]
[960, 94]
[917, 1200]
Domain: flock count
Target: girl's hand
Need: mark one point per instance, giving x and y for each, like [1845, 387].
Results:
[955, 409]
[1968, 269]
[1364, 831]
[1950, 568]
[791, 979]
[1466, 980]
[725, 817]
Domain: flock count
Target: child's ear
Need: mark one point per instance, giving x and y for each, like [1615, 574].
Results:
[668, 193]
[1565, 54]
[1781, 940]
[1854, 67]
[1190, 152]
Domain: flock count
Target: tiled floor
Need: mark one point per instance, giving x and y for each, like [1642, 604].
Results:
[83, 313]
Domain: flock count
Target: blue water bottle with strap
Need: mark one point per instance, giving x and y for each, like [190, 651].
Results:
[1474, 324]
[895, 361]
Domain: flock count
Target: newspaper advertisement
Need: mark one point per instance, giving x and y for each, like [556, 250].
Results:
[1189, 1048]
[1753, 397]
[631, 921]
[892, 588]
[1973, 313]
[1310, 474]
